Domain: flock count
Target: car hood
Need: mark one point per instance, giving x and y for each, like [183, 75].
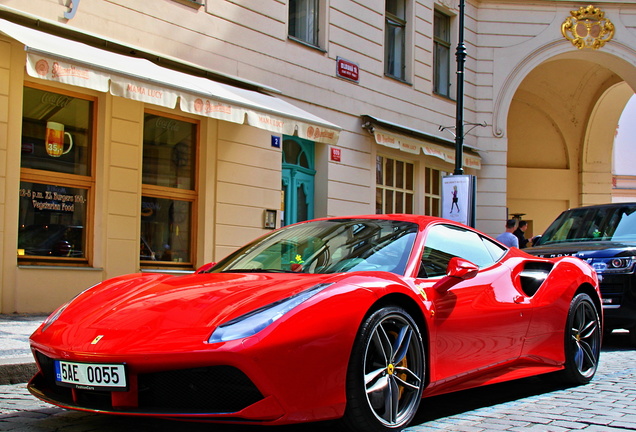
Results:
[145, 312]
[584, 250]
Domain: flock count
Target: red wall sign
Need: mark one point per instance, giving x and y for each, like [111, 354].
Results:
[347, 69]
[336, 154]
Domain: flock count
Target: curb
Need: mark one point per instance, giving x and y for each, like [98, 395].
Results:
[17, 370]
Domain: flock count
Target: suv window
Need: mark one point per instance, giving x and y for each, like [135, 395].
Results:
[616, 223]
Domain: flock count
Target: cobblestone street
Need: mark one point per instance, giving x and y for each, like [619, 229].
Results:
[535, 404]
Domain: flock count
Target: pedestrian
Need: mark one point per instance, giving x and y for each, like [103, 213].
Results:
[520, 234]
[507, 237]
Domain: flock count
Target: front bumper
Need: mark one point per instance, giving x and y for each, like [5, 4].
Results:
[619, 300]
[222, 392]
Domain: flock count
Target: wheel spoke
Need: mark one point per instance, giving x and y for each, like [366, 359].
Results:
[373, 375]
[589, 330]
[391, 401]
[589, 353]
[382, 344]
[402, 344]
[380, 385]
[407, 384]
[412, 375]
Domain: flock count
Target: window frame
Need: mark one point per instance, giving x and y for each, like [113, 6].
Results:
[446, 44]
[319, 22]
[187, 195]
[432, 198]
[394, 188]
[392, 21]
[78, 181]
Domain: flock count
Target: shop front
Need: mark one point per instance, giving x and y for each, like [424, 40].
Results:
[115, 165]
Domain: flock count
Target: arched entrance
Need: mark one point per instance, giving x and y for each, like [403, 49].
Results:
[561, 125]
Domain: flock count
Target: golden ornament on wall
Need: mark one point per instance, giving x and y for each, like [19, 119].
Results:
[588, 28]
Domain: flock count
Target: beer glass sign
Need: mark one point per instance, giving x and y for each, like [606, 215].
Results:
[55, 139]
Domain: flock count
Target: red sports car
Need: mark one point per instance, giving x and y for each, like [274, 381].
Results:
[352, 318]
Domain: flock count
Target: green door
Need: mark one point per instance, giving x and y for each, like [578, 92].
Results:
[298, 180]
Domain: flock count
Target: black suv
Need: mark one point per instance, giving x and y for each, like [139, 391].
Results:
[605, 237]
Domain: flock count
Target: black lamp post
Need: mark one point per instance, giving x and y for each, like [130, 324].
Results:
[459, 116]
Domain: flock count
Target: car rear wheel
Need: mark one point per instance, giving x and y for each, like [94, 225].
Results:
[582, 341]
[386, 373]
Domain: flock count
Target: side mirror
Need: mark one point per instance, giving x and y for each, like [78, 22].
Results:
[461, 269]
[458, 270]
[205, 267]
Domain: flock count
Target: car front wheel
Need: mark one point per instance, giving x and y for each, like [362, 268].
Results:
[582, 341]
[386, 372]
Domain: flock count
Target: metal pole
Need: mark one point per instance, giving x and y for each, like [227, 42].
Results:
[459, 116]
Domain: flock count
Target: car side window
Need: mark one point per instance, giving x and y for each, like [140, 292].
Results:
[444, 242]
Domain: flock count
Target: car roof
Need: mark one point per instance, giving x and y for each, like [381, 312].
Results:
[419, 219]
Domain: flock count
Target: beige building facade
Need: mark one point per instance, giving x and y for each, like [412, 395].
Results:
[159, 136]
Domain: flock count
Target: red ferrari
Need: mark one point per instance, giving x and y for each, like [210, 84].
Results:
[352, 318]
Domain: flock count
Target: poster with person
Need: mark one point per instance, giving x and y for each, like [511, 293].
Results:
[458, 203]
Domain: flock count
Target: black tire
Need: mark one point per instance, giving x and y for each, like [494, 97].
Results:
[582, 341]
[386, 373]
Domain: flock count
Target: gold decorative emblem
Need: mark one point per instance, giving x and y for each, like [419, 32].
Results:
[588, 28]
[97, 339]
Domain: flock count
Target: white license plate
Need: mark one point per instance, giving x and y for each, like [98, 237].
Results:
[91, 376]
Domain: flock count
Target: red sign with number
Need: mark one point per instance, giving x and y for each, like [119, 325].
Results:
[347, 69]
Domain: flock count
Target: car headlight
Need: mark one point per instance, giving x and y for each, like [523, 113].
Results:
[56, 314]
[619, 265]
[256, 320]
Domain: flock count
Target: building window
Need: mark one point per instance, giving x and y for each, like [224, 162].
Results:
[432, 192]
[395, 39]
[304, 21]
[56, 179]
[394, 186]
[441, 54]
[168, 201]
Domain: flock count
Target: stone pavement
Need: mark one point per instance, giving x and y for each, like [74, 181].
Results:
[607, 404]
[16, 362]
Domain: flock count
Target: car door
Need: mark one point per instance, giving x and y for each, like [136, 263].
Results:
[476, 323]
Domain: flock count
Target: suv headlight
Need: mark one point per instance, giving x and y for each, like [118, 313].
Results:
[252, 322]
[622, 265]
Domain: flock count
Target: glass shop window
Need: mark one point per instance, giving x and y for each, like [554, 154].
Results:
[168, 191]
[56, 179]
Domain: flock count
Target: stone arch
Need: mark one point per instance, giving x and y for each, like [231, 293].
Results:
[559, 127]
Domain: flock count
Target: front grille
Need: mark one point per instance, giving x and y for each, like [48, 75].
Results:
[219, 389]
[213, 389]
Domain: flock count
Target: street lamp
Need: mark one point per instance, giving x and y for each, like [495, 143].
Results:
[459, 116]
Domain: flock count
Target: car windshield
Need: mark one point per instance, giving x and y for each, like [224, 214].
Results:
[328, 246]
[616, 223]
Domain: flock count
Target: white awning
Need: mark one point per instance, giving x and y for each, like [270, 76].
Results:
[410, 144]
[66, 61]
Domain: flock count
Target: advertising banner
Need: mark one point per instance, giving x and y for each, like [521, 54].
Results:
[458, 199]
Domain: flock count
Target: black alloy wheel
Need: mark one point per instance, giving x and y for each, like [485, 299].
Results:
[582, 341]
[386, 373]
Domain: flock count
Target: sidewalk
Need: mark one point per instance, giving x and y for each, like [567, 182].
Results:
[16, 362]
